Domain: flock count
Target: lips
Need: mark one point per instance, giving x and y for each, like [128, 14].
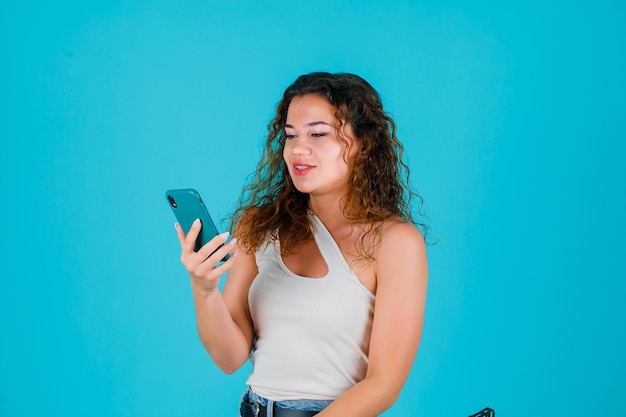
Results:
[300, 168]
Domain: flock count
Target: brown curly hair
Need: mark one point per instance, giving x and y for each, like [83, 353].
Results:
[270, 205]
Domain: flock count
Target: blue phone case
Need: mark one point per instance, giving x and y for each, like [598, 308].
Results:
[188, 206]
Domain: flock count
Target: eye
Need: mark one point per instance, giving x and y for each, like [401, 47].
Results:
[319, 134]
[289, 135]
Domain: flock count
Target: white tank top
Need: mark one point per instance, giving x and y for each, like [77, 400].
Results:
[312, 333]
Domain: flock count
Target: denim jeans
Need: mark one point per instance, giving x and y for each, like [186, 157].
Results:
[309, 405]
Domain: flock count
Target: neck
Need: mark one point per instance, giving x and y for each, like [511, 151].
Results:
[329, 211]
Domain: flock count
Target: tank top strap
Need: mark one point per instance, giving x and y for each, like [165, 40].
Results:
[328, 246]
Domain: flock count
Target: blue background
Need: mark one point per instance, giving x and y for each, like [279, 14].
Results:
[513, 120]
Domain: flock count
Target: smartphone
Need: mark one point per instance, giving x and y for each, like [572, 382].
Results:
[187, 206]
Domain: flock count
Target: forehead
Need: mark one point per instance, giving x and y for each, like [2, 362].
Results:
[310, 108]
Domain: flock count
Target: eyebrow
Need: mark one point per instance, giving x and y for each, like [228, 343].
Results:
[315, 123]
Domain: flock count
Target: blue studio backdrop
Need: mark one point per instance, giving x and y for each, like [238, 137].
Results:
[513, 122]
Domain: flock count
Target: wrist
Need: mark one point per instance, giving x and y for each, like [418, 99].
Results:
[203, 291]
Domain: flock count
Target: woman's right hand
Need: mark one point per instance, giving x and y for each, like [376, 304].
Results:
[202, 266]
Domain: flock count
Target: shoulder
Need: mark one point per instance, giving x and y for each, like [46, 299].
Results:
[397, 234]
[402, 249]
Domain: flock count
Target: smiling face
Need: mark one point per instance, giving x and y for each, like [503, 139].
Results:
[317, 160]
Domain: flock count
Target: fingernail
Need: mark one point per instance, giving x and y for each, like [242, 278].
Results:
[224, 235]
[196, 222]
[233, 242]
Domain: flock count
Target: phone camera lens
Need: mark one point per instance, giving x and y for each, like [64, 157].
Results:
[172, 201]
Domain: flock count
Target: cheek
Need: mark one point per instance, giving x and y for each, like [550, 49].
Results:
[350, 153]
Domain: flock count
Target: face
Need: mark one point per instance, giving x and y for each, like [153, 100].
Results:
[318, 161]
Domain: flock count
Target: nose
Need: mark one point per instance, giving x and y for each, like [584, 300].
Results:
[298, 146]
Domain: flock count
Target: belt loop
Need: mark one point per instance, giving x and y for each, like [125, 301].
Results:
[270, 408]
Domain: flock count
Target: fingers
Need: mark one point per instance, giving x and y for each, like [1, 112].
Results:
[212, 257]
[188, 242]
[207, 271]
[205, 266]
[180, 234]
[216, 249]
[213, 266]
[225, 266]
[229, 249]
[215, 245]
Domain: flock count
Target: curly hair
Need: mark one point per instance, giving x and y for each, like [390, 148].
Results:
[270, 205]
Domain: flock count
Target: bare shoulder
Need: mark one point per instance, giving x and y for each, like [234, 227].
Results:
[242, 270]
[246, 256]
[400, 238]
[241, 273]
[401, 277]
[402, 252]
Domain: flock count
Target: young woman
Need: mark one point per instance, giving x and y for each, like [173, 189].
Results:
[327, 276]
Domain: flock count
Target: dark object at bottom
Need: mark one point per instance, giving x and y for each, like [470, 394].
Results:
[487, 412]
[254, 410]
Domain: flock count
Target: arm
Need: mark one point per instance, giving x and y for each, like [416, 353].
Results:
[401, 274]
[223, 319]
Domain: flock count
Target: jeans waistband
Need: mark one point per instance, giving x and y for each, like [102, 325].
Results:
[253, 410]
[308, 405]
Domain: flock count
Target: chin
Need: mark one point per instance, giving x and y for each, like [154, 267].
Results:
[304, 190]
[302, 186]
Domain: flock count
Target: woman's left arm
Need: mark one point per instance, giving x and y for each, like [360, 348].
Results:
[402, 275]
